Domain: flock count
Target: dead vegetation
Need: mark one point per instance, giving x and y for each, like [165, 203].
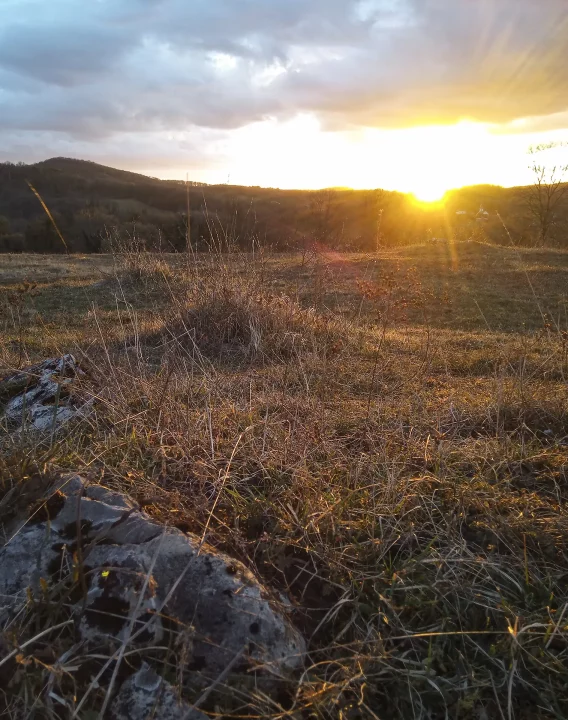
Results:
[402, 479]
[229, 313]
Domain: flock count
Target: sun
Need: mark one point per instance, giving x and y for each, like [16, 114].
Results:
[429, 193]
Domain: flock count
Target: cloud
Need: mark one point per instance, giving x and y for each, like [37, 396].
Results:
[62, 53]
[88, 71]
[487, 60]
[156, 153]
[554, 125]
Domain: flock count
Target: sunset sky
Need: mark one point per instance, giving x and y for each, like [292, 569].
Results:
[414, 95]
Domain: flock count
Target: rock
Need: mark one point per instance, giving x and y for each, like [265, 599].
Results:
[137, 573]
[146, 696]
[38, 398]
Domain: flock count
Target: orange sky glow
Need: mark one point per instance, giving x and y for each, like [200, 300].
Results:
[426, 161]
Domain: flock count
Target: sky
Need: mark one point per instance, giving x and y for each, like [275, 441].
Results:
[412, 95]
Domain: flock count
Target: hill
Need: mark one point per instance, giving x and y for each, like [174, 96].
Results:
[95, 205]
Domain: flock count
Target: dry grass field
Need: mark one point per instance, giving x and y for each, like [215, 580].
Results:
[383, 438]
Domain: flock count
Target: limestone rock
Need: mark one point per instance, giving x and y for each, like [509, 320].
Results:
[137, 573]
[38, 398]
[146, 696]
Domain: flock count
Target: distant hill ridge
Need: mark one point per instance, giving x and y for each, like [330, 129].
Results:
[90, 169]
[93, 203]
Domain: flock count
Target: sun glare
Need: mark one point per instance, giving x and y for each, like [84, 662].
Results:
[429, 194]
[425, 161]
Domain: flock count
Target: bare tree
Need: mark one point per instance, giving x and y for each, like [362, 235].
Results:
[322, 209]
[547, 193]
[380, 197]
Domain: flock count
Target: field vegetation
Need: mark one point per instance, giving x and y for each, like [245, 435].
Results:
[382, 437]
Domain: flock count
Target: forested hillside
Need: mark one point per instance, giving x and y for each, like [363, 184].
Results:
[94, 206]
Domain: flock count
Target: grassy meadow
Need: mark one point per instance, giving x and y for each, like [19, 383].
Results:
[383, 438]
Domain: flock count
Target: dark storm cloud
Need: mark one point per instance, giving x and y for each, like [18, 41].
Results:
[93, 70]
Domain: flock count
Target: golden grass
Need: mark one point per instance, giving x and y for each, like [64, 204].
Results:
[400, 473]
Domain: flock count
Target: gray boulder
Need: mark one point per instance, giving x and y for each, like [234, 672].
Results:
[144, 580]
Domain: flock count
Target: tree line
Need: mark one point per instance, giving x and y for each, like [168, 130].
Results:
[92, 206]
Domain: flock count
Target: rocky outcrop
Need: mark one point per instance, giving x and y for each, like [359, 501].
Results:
[38, 398]
[146, 696]
[145, 584]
